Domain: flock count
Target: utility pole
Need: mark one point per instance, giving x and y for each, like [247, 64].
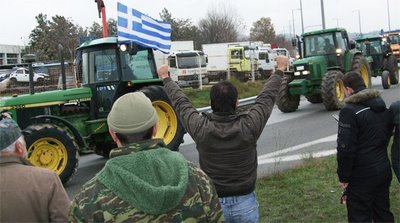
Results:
[359, 19]
[302, 23]
[294, 30]
[388, 13]
[323, 14]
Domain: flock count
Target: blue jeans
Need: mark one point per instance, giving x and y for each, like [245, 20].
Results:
[240, 208]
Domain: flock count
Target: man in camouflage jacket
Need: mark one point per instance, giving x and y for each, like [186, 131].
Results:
[143, 181]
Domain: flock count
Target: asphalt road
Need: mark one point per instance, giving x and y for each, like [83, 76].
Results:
[286, 141]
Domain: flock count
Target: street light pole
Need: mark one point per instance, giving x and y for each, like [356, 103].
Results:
[388, 11]
[301, 11]
[294, 31]
[323, 14]
[359, 19]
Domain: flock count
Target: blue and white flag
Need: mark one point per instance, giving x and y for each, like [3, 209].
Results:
[142, 29]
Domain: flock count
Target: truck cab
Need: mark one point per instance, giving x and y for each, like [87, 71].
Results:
[242, 61]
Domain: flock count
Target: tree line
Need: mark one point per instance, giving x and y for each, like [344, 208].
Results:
[219, 25]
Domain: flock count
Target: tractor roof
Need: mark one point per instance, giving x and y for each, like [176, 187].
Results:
[368, 37]
[324, 31]
[108, 40]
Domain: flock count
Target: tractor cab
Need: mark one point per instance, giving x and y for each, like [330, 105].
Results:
[111, 70]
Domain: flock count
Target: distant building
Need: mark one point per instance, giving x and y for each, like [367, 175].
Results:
[10, 54]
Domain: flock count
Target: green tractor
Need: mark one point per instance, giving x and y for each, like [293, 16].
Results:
[59, 125]
[325, 57]
[380, 57]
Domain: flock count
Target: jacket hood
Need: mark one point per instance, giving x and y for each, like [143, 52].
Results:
[369, 98]
[153, 181]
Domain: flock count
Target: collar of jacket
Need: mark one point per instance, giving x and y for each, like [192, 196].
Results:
[4, 160]
[223, 116]
[363, 95]
[136, 147]
[153, 180]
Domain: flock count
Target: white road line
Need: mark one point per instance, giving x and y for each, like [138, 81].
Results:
[296, 157]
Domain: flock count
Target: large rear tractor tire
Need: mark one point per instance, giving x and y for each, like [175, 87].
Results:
[51, 147]
[360, 65]
[332, 91]
[170, 128]
[390, 64]
[314, 98]
[385, 79]
[287, 102]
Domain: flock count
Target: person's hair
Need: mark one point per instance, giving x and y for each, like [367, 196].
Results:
[223, 97]
[11, 148]
[353, 80]
[126, 139]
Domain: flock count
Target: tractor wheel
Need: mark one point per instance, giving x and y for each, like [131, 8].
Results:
[314, 98]
[170, 129]
[332, 91]
[386, 79]
[360, 65]
[390, 64]
[53, 148]
[286, 102]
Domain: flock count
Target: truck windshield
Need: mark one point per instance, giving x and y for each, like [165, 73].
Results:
[101, 65]
[395, 39]
[190, 61]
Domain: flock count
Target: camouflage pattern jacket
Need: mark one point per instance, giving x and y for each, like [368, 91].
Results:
[144, 182]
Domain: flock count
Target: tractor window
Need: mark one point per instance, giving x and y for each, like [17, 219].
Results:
[319, 45]
[138, 66]
[102, 65]
[341, 43]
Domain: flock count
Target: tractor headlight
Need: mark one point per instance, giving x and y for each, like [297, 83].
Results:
[338, 52]
[297, 73]
[306, 72]
[123, 47]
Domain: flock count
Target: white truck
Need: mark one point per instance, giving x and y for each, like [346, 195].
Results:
[185, 64]
[285, 52]
[266, 60]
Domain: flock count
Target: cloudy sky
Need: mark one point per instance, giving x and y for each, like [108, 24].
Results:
[18, 16]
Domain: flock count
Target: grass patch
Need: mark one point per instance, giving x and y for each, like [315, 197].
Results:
[201, 98]
[309, 193]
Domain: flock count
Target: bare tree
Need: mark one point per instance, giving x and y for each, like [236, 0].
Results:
[221, 24]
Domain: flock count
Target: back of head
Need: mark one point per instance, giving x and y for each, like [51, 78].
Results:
[354, 80]
[223, 97]
[9, 133]
[132, 117]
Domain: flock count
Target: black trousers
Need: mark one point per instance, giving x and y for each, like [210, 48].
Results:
[368, 199]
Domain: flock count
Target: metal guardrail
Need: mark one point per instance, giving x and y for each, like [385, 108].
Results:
[242, 102]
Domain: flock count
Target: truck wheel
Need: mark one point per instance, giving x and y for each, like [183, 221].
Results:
[390, 64]
[332, 91]
[287, 102]
[12, 83]
[385, 79]
[360, 65]
[53, 148]
[314, 98]
[170, 129]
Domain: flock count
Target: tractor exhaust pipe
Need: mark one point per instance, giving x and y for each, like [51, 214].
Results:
[30, 58]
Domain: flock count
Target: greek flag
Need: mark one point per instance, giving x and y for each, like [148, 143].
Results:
[142, 29]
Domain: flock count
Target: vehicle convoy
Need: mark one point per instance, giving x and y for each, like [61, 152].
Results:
[325, 57]
[380, 58]
[393, 37]
[60, 124]
[22, 75]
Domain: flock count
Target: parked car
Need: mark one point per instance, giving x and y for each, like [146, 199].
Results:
[22, 75]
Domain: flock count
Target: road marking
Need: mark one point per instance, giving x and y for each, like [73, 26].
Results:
[276, 156]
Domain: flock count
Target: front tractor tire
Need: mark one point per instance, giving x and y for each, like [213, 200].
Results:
[385, 79]
[390, 64]
[170, 129]
[52, 147]
[360, 65]
[332, 91]
[287, 102]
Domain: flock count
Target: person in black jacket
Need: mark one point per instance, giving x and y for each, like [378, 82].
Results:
[227, 139]
[363, 165]
[395, 112]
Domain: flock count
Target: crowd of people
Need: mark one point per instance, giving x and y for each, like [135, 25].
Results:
[143, 181]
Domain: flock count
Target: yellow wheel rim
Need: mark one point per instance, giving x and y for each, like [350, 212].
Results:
[340, 95]
[364, 75]
[167, 121]
[48, 153]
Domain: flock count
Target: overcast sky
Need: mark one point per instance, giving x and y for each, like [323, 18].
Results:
[17, 17]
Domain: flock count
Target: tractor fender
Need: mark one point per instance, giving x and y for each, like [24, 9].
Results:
[55, 119]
